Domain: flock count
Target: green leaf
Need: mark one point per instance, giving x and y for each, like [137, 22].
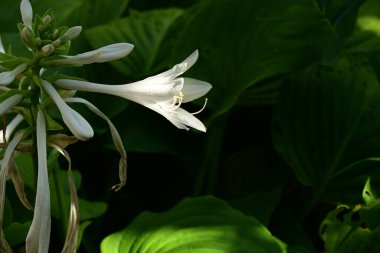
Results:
[276, 39]
[91, 209]
[89, 13]
[145, 30]
[352, 230]
[366, 36]
[368, 195]
[321, 123]
[203, 224]
[16, 233]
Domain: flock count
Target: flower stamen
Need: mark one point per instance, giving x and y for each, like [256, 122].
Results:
[203, 107]
[177, 101]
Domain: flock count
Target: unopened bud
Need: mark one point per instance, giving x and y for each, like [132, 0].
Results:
[70, 34]
[25, 35]
[47, 49]
[55, 34]
[47, 19]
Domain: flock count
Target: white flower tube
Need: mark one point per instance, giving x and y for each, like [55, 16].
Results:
[73, 120]
[9, 102]
[11, 127]
[103, 54]
[26, 13]
[7, 77]
[2, 50]
[163, 93]
[37, 240]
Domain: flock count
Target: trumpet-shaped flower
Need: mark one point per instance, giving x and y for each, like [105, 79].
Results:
[163, 93]
[38, 236]
[26, 13]
[73, 120]
[7, 77]
[103, 54]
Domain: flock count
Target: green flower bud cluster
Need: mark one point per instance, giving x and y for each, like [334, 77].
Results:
[45, 37]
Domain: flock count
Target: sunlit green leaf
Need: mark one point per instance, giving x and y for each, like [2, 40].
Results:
[202, 224]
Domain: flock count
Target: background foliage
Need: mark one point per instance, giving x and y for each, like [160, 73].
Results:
[293, 127]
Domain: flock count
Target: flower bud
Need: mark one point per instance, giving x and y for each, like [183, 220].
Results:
[71, 34]
[47, 19]
[47, 49]
[26, 37]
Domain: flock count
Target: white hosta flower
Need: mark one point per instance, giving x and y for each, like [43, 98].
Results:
[26, 13]
[7, 77]
[10, 102]
[37, 240]
[163, 93]
[103, 54]
[73, 120]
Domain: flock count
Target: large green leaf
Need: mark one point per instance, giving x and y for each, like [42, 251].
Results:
[89, 13]
[276, 39]
[203, 224]
[145, 30]
[323, 123]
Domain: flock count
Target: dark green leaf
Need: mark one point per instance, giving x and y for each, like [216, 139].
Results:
[145, 30]
[320, 125]
[276, 39]
[16, 233]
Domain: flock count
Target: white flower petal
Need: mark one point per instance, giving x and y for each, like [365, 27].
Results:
[73, 120]
[180, 68]
[193, 89]
[7, 77]
[9, 102]
[26, 13]
[103, 54]
[179, 117]
[37, 240]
